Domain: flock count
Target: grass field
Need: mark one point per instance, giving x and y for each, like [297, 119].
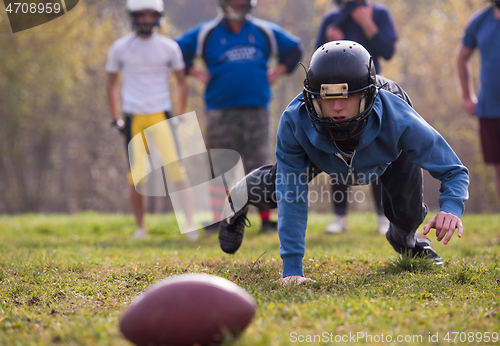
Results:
[67, 279]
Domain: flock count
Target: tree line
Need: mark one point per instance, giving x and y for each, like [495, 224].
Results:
[58, 152]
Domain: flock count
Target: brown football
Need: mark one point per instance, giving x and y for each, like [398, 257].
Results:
[186, 310]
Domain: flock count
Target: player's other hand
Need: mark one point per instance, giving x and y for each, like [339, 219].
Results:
[445, 225]
[334, 33]
[470, 106]
[200, 74]
[293, 280]
[362, 14]
[277, 72]
[119, 124]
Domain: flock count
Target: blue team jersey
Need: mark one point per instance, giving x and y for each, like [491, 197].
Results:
[483, 32]
[238, 62]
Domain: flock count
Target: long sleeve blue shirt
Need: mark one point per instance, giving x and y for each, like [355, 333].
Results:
[393, 127]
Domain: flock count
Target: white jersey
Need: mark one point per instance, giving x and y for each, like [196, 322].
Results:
[145, 64]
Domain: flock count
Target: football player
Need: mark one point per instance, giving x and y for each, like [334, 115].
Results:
[354, 126]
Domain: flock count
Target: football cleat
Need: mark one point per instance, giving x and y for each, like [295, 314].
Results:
[423, 249]
[231, 234]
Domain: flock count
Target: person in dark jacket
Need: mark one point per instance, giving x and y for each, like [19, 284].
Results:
[370, 25]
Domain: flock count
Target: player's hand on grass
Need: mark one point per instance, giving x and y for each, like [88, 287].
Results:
[445, 225]
[293, 280]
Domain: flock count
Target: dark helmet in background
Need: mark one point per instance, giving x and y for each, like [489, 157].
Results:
[229, 13]
[495, 2]
[339, 69]
[135, 7]
[342, 3]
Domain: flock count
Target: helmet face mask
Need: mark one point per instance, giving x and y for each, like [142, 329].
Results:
[339, 69]
[142, 26]
[140, 8]
[231, 14]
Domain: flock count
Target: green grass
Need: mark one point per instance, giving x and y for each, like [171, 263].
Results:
[67, 279]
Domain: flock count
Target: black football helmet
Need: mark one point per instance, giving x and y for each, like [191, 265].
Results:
[229, 12]
[339, 69]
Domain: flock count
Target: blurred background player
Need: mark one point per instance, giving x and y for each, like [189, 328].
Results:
[236, 48]
[483, 33]
[370, 25]
[145, 58]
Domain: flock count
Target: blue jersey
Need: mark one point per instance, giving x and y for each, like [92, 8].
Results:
[238, 62]
[381, 45]
[393, 127]
[483, 32]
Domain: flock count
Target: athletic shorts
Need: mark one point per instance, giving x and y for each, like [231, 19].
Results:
[244, 130]
[489, 130]
[163, 140]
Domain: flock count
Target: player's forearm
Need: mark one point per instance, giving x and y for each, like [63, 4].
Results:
[370, 29]
[465, 73]
[276, 73]
[182, 98]
[454, 189]
[292, 221]
[198, 73]
[182, 91]
[292, 230]
[112, 94]
[464, 76]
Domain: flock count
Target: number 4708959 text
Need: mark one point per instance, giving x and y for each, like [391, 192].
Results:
[24, 7]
